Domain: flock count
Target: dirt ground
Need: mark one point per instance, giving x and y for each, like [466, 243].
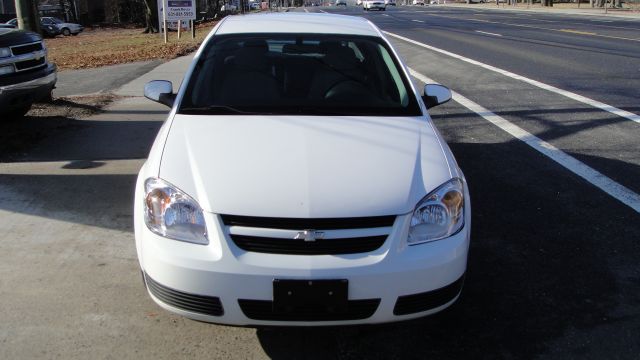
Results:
[110, 46]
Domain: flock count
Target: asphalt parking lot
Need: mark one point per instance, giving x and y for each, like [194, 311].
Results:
[552, 273]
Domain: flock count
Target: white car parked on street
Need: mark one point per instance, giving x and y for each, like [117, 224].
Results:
[299, 180]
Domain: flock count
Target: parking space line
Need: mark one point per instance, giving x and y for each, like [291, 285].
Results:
[583, 99]
[418, 21]
[596, 178]
[487, 33]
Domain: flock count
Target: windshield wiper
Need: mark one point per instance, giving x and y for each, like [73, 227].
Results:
[216, 110]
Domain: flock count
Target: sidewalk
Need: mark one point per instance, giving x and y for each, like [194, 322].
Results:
[100, 80]
[173, 71]
[584, 10]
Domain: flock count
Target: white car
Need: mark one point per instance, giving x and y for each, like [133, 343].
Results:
[374, 4]
[228, 7]
[65, 28]
[358, 2]
[418, 2]
[300, 181]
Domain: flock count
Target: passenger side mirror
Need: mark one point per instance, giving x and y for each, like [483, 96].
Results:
[435, 95]
[160, 91]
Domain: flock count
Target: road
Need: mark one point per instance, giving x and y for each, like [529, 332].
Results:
[553, 270]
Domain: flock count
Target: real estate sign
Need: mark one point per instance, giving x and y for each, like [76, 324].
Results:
[176, 10]
[181, 10]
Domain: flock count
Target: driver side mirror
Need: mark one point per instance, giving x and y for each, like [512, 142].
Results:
[435, 94]
[160, 91]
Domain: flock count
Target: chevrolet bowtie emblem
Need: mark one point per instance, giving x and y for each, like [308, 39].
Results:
[309, 235]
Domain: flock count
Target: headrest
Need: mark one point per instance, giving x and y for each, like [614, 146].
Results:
[338, 56]
[252, 55]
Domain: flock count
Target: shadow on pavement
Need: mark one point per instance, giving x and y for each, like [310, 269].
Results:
[540, 268]
[62, 139]
[97, 200]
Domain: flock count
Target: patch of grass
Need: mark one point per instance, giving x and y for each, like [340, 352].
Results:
[100, 47]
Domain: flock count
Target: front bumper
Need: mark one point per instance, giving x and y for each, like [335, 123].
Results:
[23, 89]
[222, 283]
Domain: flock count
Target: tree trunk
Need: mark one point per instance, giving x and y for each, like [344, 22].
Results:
[151, 16]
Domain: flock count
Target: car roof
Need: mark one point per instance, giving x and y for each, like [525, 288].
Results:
[309, 23]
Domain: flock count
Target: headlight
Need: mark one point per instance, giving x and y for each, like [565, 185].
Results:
[7, 69]
[439, 215]
[5, 52]
[171, 213]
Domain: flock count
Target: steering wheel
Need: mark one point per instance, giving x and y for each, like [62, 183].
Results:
[347, 88]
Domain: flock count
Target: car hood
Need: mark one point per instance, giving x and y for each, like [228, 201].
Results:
[304, 166]
[12, 37]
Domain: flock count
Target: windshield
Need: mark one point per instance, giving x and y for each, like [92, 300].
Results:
[57, 21]
[298, 74]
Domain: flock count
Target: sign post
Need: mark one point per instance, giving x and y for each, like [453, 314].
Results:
[164, 21]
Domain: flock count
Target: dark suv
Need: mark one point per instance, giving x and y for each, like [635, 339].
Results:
[25, 74]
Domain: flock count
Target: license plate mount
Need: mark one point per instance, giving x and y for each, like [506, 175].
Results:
[330, 296]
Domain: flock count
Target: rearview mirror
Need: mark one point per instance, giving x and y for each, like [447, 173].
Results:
[160, 91]
[435, 94]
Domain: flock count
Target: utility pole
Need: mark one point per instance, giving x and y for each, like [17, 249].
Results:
[27, 14]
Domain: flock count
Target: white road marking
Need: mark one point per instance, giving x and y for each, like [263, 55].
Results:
[418, 21]
[594, 177]
[322, 11]
[305, 10]
[539, 28]
[488, 33]
[385, 15]
[583, 99]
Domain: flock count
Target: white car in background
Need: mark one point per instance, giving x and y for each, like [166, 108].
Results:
[374, 5]
[228, 7]
[418, 2]
[299, 181]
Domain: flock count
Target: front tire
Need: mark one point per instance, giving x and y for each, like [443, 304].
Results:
[66, 32]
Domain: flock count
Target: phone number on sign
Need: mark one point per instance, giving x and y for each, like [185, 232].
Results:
[181, 14]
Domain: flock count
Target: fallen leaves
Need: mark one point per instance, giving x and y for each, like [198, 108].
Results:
[100, 47]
